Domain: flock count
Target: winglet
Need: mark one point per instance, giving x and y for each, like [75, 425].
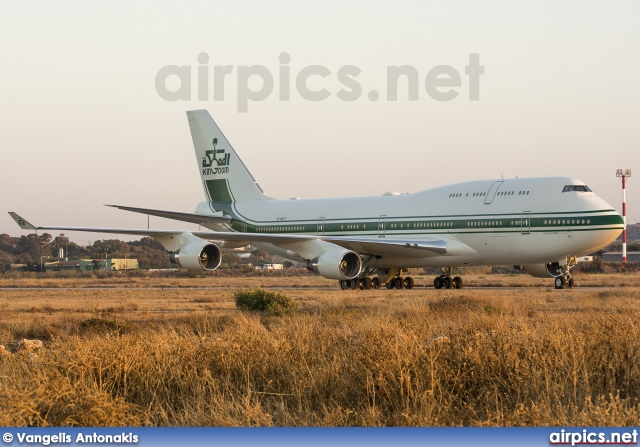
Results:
[21, 222]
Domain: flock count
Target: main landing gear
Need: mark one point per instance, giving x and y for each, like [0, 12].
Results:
[565, 280]
[367, 283]
[392, 279]
[400, 283]
[362, 283]
[444, 281]
[389, 278]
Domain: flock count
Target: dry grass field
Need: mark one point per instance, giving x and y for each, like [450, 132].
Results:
[176, 352]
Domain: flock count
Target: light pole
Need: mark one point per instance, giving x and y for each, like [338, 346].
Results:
[41, 263]
[624, 174]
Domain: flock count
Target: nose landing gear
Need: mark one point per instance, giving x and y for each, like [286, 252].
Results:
[565, 280]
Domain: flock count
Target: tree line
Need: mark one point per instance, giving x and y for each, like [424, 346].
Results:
[33, 250]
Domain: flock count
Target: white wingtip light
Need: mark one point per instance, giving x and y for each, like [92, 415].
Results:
[22, 223]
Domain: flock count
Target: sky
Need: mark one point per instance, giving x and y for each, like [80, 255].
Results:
[82, 123]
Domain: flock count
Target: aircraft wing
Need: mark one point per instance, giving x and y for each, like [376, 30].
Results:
[25, 225]
[200, 219]
[208, 235]
[387, 247]
[369, 246]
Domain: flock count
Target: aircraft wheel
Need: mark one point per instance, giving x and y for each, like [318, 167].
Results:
[398, 283]
[390, 285]
[375, 283]
[437, 283]
[408, 282]
[457, 282]
[366, 283]
[447, 283]
[571, 283]
[354, 284]
[560, 282]
[344, 284]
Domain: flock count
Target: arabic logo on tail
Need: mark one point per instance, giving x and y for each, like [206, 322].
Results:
[219, 156]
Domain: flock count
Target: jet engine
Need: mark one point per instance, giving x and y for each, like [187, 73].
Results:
[337, 264]
[197, 256]
[551, 270]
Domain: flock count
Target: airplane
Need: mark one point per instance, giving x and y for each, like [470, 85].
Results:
[541, 225]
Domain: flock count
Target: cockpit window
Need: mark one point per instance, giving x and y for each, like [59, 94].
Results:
[580, 188]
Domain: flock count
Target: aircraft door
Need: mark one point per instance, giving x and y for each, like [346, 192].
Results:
[525, 223]
[382, 225]
[492, 192]
[320, 226]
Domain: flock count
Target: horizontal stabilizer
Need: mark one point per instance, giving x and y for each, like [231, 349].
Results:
[200, 219]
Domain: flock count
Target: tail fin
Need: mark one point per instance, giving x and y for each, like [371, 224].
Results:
[224, 177]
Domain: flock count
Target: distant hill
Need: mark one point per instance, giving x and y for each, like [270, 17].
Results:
[633, 233]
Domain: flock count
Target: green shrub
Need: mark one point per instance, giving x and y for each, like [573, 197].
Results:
[99, 325]
[265, 301]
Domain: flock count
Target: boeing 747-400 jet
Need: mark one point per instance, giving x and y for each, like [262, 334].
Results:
[539, 224]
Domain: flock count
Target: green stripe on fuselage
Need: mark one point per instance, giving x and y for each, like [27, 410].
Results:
[437, 226]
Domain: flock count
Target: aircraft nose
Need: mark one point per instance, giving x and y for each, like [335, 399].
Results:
[604, 205]
[619, 216]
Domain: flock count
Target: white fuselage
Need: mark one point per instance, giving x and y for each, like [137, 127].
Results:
[514, 221]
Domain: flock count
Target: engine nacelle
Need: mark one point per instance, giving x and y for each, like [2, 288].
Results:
[337, 264]
[197, 256]
[551, 270]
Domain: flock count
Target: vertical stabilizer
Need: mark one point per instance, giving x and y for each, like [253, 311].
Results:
[224, 177]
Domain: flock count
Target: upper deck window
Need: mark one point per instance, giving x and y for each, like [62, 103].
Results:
[580, 188]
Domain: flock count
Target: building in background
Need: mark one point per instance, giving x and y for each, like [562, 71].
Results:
[87, 265]
[616, 256]
[271, 267]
